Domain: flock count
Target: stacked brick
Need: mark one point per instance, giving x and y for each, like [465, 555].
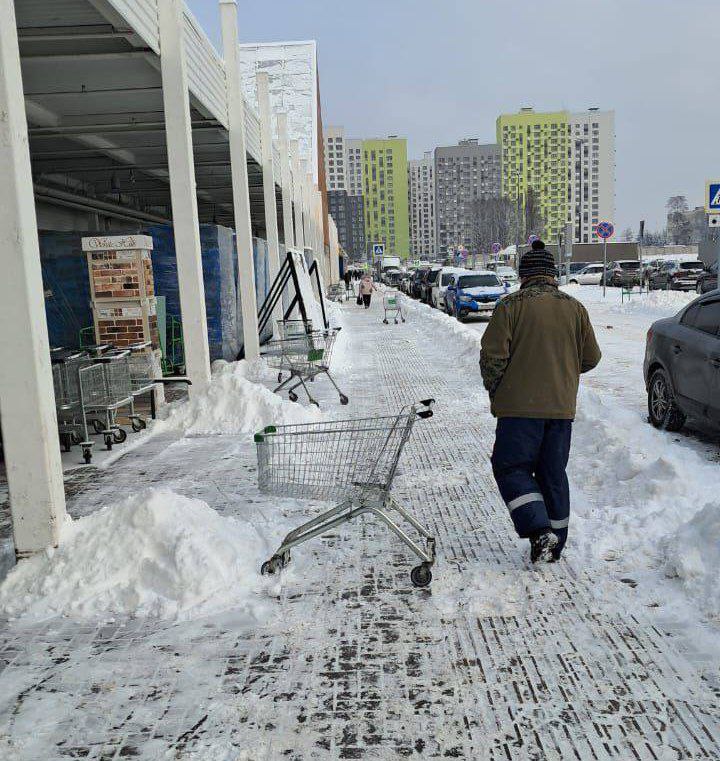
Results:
[122, 289]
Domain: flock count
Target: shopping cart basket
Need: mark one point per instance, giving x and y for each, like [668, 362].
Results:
[304, 356]
[66, 384]
[391, 305]
[105, 388]
[352, 461]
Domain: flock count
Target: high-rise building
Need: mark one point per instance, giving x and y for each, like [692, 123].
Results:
[464, 173]
[385, 191]
[343, 169]
[335, 160]
[567, 160]
[354, 164]
[592, 165]
[421, 204]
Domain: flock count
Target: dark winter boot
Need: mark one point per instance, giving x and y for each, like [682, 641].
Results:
[542, 546]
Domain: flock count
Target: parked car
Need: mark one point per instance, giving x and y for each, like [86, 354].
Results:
[589, 275]
[682, 366]
[675, 276]
[504, 271]
[428, 281]
[708, 279]
[437, 294]
[405, 281]
[416, 280]
[474, 293]
[575, 268]
[623, 272]
[650, 267]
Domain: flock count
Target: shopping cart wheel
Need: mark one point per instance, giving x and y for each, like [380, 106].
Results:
[98, 425]
[87, 455]
[119, 435]
[385, 322]
[138, 424]
[292, 396]
[108, 441]
[421, 575]
[280, 377]
[315, 402]
[343, 399]
[275, 564]
[76, 438]
[65, 442]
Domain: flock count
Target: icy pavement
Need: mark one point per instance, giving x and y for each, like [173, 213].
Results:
[494, 661]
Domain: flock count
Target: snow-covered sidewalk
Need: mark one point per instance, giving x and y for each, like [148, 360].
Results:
[339, 657]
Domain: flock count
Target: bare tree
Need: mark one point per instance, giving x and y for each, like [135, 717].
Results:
[679, 223]
[493, 221]
[533, 222]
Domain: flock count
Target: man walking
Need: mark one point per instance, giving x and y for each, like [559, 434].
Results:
[536, 345]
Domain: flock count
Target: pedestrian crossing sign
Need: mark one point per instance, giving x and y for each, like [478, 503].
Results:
[712, 197]
[378, 249]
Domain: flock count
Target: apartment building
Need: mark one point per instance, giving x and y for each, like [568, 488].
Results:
[421, 206]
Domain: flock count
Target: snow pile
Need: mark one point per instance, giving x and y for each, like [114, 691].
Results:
[155, 554]
[235, 404]
[341, 361]
[654, 305]
[630, 489]
[442, 322]
[693, 554]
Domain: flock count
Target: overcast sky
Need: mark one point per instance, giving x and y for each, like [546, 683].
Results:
[435, 71]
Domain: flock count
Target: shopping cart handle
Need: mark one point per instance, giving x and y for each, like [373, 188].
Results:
[427, 412]
[169, 380]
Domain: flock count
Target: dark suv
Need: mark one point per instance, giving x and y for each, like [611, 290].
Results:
[623, 272]
[682, 366]
[707, 280]
[675, 276]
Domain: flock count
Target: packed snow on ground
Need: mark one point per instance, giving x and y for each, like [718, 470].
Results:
[645, 499]
[235, 403]
[341, 360]
[155, 554]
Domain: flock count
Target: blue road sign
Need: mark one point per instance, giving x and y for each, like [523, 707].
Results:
[712, 197]
[378, 249]
[605, 230]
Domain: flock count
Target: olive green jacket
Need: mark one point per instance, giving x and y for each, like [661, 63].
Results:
[536, 345]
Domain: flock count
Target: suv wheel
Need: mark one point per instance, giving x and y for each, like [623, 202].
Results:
[662, 409]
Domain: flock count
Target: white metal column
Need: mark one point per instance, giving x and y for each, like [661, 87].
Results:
[181, 168]
[238, 165]
[284, 148]
[297, 194]
[266, 138]
[305, 203]
[27, 400]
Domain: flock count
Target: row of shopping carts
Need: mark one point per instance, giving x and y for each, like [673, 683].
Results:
[300, 354]
[94, 386]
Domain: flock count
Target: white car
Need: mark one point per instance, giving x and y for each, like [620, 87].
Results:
[506, 274]
[590, 275]
[437, 296]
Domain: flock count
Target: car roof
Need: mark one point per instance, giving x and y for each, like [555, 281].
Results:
[479, 272]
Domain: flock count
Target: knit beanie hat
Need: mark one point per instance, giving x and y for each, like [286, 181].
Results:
[537, 261]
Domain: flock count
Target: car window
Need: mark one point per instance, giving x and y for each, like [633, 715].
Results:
[595, 268]
[691, 265]
[446, 279]
[471, 281]
[690, 313]
[707, 318]
[433, 275]
[629, 265]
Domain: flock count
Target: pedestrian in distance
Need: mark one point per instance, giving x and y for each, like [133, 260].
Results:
[538, 342]
[366, 288]
[347, 277]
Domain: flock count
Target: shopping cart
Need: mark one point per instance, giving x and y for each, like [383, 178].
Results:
[144, 371]
[352, 461]
[66, 384]
[337, 292]
[391, 305]
[304, 356]
[105, 388]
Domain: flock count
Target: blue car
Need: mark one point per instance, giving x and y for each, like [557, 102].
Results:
[474, 293]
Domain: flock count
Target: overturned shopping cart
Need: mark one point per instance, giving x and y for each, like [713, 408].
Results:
[304, 356]
[391, 305]
[353, 461]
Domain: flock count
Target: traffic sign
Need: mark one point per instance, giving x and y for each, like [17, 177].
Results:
[378, 249]
[496, 248]
[712, 197]
[605, 230]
